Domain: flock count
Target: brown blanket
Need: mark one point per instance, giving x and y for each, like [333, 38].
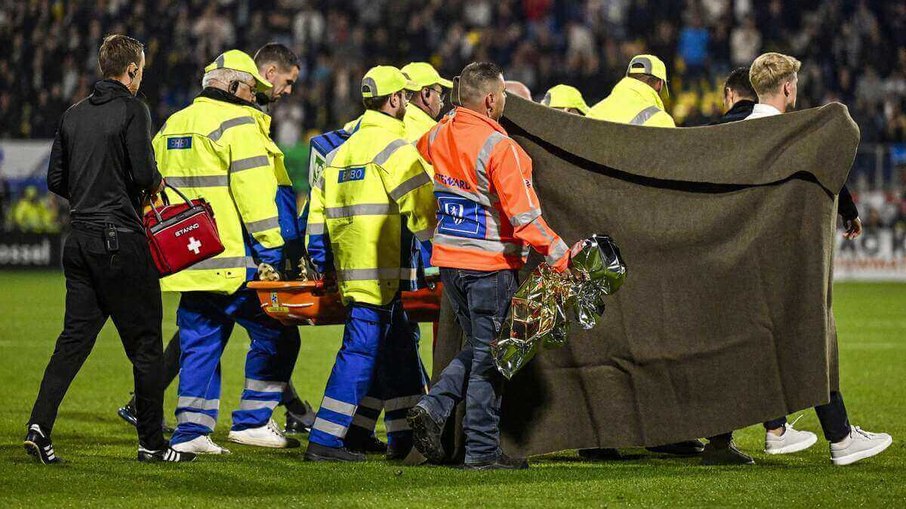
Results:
[725, 318]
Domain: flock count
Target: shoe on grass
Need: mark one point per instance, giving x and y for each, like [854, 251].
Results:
[166, 455]
[318, 452]
[268, 435]
[790, 441]
[300, 422]
[684, 448]
[426, 434]
[503, 462]
[860, 444]
[38, 444]
[202, 444]
[729, 455]
[127, 413]
[370, 444]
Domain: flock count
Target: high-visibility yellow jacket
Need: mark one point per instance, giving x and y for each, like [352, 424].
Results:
[220, 150]
[632, 102]
[369, 184]
[417, 122]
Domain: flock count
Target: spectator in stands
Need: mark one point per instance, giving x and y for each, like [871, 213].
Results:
[28, 214]
[544, 43]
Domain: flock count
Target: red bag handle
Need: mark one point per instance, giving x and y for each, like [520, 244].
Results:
[166, 200]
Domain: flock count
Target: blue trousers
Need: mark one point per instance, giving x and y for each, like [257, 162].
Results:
[481, 301]
[206, 321]
[376, 367]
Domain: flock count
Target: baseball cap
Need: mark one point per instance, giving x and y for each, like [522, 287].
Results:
[385, 80]
[424, 74]
[565, 96]
[648, 64]
[239, 61]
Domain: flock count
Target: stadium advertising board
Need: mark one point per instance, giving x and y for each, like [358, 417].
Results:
[29, 251]
[878, 255]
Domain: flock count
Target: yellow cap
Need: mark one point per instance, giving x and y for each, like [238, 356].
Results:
[385, 80]
[647, 64]
[565, 96]
[239, 61]
[424, 74]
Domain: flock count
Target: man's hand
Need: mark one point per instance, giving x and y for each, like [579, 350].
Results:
[267, 273]
[853, 229]
[161, 186]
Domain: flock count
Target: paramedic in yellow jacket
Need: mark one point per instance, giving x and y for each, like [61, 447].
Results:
[427, 103]
[373, 184]
[218, 148]
[636, 99]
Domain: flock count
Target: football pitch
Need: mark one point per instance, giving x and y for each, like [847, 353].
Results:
[100, 449]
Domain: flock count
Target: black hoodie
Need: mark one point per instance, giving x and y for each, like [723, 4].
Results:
[102, 159]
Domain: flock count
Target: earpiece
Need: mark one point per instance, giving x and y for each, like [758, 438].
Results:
[234, 86]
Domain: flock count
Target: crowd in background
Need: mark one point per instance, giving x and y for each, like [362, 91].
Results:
[851, 51]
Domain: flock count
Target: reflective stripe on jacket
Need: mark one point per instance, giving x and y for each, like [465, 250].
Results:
[487, 210]
[632, 102]
[220, 150]
[368, 185]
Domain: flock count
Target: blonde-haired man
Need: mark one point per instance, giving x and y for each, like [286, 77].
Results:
[774, 77]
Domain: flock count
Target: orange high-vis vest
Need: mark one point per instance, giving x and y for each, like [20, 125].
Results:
[488, 213]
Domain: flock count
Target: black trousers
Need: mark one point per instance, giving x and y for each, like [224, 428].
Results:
[123, 286]
[832, 416]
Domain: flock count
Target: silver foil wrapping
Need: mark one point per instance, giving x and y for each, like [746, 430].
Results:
[547, 302]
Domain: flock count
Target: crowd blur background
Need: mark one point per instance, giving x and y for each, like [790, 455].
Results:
[852, 51]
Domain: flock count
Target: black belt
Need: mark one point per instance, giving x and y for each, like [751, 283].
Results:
[99, 228]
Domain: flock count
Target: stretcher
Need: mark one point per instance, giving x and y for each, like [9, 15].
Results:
[311, 303]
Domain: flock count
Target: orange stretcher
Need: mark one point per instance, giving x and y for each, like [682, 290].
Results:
[309, 303]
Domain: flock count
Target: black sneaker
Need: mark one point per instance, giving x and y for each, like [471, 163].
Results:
[600, 454]
[39, 445]
[503, 462]
[128, 414]
[398, 452]
[317, 452]
[426, 434]
[168, 455]
[300, 422]
[684, 448]
[725, 456]
[369, 445]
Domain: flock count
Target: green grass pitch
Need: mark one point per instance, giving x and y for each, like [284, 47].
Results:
[102, 471]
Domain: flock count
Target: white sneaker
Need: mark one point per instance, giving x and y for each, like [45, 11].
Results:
[792, 440]
[201, 444]
[859, 445]
[268, 435]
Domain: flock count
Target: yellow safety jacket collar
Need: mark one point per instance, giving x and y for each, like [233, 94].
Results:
[647, 94]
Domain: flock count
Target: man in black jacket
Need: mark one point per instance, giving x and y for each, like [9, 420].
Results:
[102, 162]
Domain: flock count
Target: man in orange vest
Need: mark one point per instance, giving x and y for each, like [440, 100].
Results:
[488, 218]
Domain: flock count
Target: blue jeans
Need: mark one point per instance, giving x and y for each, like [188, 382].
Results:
[481, 301]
